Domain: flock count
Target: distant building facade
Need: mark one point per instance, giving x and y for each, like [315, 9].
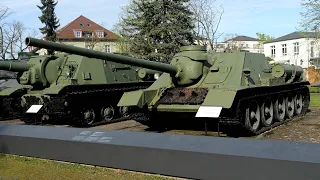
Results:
[245, 43]
[240, 42]
[298, 48]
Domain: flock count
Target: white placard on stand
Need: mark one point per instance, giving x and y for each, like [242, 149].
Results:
[34, 109]
[209, 111]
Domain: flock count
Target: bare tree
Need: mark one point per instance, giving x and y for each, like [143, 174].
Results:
[122, 44]
[207, 17]
[91, 40]
[12, 39]
[4, 13]
[11, 36]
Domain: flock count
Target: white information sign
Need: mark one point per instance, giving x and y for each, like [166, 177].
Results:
[209, 111]
[34, 109]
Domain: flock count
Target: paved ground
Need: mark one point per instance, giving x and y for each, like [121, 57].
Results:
[306, 129]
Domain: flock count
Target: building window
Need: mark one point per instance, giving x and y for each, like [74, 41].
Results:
[296, 48]
[100, 34]
[88, 25]
[108, 49]
[284, 49]
[312, 49]
[273, 51]
[81, 25]
[78, 34]
[301, 62]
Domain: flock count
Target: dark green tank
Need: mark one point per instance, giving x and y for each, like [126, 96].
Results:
[75, 88]
[10, 89]
[231, 87]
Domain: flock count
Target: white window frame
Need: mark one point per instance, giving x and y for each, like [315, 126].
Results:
[79, 34]
[296, 48]
[284, 49]
[108, 48]
[273, 51]
[100, 34]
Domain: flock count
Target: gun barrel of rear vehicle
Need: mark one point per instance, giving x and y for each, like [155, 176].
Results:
[14, 66]
[163, 67]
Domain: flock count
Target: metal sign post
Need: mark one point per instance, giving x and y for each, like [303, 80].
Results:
[34, 109]
[209, 112]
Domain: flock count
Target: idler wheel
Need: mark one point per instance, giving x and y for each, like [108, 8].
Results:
[289, 106]
[298, 103]
[252, 116]
[89, 116]
[279, 108]
[107, 113]
[267, 112]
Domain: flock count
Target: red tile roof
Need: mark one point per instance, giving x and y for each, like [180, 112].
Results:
[68, 31]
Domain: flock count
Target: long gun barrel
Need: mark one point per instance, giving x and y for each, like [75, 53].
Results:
[14, 66]
[101, 55]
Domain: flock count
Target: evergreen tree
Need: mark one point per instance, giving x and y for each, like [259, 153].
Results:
[50, 20]
[157, 28]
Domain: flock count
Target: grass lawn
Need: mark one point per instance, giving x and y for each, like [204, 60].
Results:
[24, 168]
[315, 99]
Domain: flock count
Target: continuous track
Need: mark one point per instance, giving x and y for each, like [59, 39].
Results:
[238, 108]
[81, 100]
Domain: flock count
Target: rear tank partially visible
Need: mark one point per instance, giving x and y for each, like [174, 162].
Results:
[10, 89]
[77, 88]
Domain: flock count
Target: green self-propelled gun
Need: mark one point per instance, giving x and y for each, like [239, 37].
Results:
[238, 87]
[75, 88]
[232, 87]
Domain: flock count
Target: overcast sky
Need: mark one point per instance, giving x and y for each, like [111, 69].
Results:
[244, 17]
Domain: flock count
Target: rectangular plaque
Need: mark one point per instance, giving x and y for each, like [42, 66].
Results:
[34, 109]
[209, 111]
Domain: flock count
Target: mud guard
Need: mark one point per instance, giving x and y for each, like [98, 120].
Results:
[11, 90]
[137, 98]
[220, 98]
